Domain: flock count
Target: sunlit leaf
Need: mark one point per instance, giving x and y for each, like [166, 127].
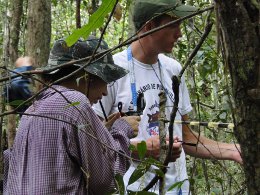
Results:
[96, 20]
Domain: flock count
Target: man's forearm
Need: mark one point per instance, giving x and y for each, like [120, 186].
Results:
[207, 148]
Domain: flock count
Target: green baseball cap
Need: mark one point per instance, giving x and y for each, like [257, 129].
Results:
[144, 10]
[104, 68]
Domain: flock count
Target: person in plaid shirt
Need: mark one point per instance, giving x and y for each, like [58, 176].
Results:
[61, 146]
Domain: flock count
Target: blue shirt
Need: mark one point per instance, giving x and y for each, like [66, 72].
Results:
[19, 88]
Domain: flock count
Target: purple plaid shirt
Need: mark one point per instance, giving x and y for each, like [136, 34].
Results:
[67, 152]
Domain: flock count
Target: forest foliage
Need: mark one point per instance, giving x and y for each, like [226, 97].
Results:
[207, 77]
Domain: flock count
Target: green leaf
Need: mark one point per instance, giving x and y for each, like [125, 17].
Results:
[141, 169]
[141, 149]
[120, 184]
[177, 185]
[152, 161]
[72, 104]
[158, 172]
[96, 20]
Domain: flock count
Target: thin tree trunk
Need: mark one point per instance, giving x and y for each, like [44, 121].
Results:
[15, 27]
[131, 27]
[38, 31]
[9, 55]
[239, 25]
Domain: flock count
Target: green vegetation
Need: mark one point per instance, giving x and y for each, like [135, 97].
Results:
[207, 77]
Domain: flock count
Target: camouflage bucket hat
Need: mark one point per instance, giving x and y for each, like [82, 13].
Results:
[144, 10]
[104, 68]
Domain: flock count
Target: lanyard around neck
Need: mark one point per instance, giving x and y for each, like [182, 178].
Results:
[132, 77]
[159, 76]
[133, 80]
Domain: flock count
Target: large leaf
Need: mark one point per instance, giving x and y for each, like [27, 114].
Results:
[96, 20]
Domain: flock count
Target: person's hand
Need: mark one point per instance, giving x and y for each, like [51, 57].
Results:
[176, 148]
[236, 155]
[153, 147]
[133, 122]
[111, 119]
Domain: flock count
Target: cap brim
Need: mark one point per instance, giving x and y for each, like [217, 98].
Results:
[182, 11]
[107, 72]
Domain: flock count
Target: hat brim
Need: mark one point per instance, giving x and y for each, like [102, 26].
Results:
[107, 72]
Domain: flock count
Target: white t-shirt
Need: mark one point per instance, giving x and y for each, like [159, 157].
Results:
[149, 80]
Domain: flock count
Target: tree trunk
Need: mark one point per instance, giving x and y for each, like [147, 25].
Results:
[131, 28]
[239, 27]
[11, 54]
[39, 31]
[15, 27]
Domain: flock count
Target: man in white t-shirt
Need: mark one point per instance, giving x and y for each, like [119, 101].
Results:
[150, 71]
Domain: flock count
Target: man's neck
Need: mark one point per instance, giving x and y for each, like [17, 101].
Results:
[143, 52]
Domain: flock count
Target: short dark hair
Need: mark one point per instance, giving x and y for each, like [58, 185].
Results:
[157, 20]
